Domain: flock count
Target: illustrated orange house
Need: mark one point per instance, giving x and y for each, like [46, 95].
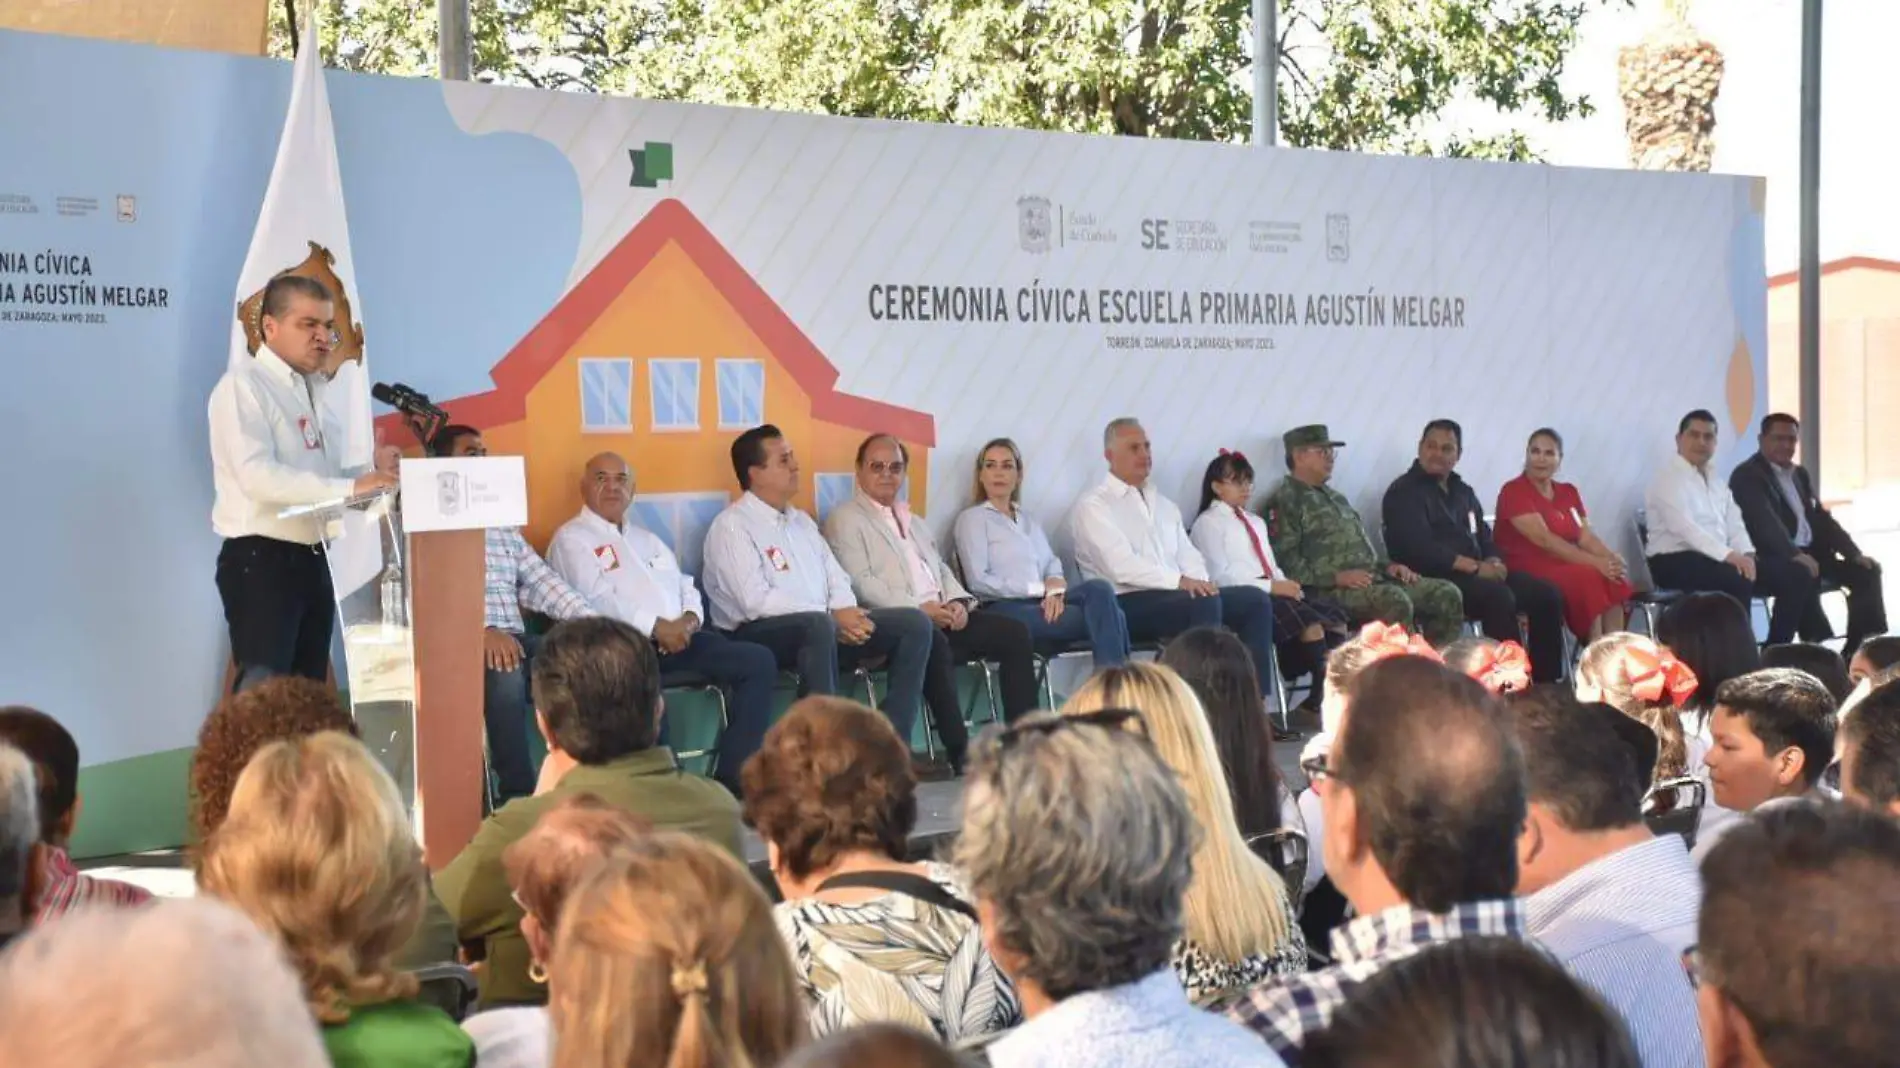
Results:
[664, 353]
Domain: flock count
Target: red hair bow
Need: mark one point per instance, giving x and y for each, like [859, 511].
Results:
[1383, 640]
[1656, 675]
[1504, 668]
[1235, 454]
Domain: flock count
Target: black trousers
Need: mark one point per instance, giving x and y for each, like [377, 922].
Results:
[1796, 601]
[987, 636]
[1495, 606]
[1866, 601]
[279, 607]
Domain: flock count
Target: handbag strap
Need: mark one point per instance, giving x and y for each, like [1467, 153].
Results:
[900, 882]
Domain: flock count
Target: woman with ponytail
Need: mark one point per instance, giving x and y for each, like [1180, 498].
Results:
[667, 957]
[1645, 682]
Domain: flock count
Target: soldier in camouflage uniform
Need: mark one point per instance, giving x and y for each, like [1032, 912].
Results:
[1321, 543]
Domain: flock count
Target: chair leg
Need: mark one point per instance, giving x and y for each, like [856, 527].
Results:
[989, 691]
[719, 696]
[1279, 692]
[1046, 688]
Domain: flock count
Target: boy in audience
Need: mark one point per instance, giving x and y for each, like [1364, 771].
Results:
[1424, 800]
[1773, 733]
[1818, 660]
[1874, 656]
[1870, 751]
[1797, 960]
[55, 757]
[1615, 904]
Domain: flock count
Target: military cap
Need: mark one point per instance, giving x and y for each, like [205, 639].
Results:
[1301, 437]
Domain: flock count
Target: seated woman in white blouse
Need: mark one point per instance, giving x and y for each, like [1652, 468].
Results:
[1007, 562]
[1239, 553]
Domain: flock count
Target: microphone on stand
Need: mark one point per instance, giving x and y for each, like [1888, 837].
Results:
[423, 417]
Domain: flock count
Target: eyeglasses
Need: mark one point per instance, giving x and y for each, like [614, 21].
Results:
[1692, 965]
[1317, 769]
[878, 467]
[1106, 718]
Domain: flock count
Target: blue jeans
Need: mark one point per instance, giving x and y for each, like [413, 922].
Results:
[1158, 615]
[807, 643]
[747, 672]
[505, 713]
[1090, 613]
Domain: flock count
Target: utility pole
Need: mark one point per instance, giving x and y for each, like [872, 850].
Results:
[1266, 72]
[454, 48]
[1810, 274]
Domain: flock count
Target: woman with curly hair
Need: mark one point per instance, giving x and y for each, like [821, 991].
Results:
[317, 850]
[284, 709]
[872, 937]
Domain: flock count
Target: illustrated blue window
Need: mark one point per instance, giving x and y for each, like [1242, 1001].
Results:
[675, 386]
[833, 490]
[741, 394]
[681, 521]
[606, 394]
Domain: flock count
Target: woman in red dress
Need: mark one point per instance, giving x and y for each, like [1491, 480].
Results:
[1542, 530]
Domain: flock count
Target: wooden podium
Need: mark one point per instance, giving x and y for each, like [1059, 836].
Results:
[409, 583]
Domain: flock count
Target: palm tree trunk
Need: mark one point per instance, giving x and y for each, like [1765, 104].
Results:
[1668, 84]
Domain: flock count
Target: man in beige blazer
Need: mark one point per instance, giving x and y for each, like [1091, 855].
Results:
[894, 563]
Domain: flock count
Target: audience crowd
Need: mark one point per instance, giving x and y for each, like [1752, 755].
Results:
[1520, 835]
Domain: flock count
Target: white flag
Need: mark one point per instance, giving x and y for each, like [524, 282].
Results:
[303, 229]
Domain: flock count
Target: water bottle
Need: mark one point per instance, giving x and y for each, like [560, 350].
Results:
[394, 608]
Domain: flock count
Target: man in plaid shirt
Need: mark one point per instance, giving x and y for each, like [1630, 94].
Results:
[517, 578]
[1424, 799]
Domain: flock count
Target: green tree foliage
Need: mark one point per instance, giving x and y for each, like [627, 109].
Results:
[1366, 75]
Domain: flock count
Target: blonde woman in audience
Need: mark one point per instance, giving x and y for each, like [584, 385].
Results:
[1645, 682]
[317, 850]
[1240, 929]
[872, 936]
[543, 867]
[282, 709]
[667, 957]
[176, 983]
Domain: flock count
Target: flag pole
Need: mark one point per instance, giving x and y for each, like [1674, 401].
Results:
[454, 46]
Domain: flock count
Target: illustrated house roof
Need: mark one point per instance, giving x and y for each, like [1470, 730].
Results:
[542, 349]
[1849, 263]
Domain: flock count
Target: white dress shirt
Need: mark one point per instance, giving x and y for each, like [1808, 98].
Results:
[270, 451]
[1691, 510]
[899, 521]
[1220, 533]
[1133, 538]
[625, 572]
[761, 562]
[1004, 558]
[1803, 534]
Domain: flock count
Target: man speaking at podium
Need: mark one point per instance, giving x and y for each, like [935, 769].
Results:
[269, 451]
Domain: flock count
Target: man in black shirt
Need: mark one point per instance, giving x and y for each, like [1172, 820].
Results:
[1435, 525]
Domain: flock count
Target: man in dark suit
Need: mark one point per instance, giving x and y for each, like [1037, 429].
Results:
[1786, 520]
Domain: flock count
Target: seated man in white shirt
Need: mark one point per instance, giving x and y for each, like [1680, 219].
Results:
[1615, 904]
[1129, 534]
[1698, 540]
[630, 574]
[515, 578]
[894, 563]
[771, 579]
